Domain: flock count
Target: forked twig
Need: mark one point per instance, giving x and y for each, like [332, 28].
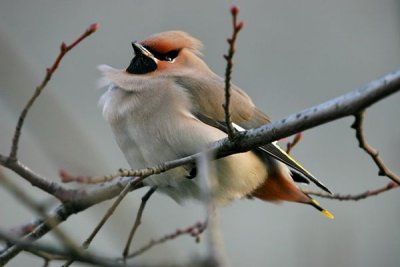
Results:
[291, 144]
[358, 125]
[64, 49]
[194, 231]
[106, 216]
[24, 198]
[228, 72]
[82, 256]
[138, 220]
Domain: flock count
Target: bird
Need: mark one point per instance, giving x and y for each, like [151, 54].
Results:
[168, 104]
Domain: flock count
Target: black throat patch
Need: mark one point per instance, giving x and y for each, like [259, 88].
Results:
[141, 64]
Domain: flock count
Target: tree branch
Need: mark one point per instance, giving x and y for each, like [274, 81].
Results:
[341, 197]
[291, 144]
[358, 125]
[138, 220]
[64, 49]
[30, 203]
[342, 106]
[108, 214]
[228, 72]
[216, 255]
[84, 200]
[81, 255]
[194, 231]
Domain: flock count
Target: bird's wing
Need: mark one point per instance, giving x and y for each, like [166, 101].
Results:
[244, 115]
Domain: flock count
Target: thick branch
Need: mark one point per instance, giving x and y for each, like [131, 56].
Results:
[84, 199]
[24, 198]
[35, 179]
[342, 106]
[80, 255]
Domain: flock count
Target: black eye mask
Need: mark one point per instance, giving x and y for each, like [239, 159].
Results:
[169, 56]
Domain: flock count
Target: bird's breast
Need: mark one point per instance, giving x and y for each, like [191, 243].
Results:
[163, 129]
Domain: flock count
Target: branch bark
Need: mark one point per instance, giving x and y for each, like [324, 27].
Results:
[342, 106]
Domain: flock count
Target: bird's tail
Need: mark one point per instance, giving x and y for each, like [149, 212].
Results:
[316, 205]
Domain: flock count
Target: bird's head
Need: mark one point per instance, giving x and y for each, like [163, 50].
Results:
[163, 53]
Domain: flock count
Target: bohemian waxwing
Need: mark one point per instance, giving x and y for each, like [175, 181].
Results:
[168, 104]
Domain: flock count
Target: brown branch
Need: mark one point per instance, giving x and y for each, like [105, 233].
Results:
[216, 252]
[84, 199]
[49, 73]
[195, 231]
[366, 194]
[138, 220]
[30, 203]
[228, 72]
[81, 255]
[291, 144]
[110, 211]
[108, 214]
[66, 177]
[35, 179]
[358, 125]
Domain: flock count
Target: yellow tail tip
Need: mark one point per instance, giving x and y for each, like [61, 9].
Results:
[325, 212]
[328, 214]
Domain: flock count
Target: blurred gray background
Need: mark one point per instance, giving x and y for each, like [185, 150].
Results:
[291, 55]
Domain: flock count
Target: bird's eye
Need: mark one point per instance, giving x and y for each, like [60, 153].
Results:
[169, 56]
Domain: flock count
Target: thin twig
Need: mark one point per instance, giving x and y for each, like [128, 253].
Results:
[106, 216]
[228, 72]
[49, 72]
[138, 220]
[356, 197]
[66, 177]
[82, 256]
[47, 257]
[358, 125]
[61, 213]
[194, 231]
[291, 144]
[31, 204]
[216, 255]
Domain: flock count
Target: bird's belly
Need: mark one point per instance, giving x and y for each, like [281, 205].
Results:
[231, 177]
